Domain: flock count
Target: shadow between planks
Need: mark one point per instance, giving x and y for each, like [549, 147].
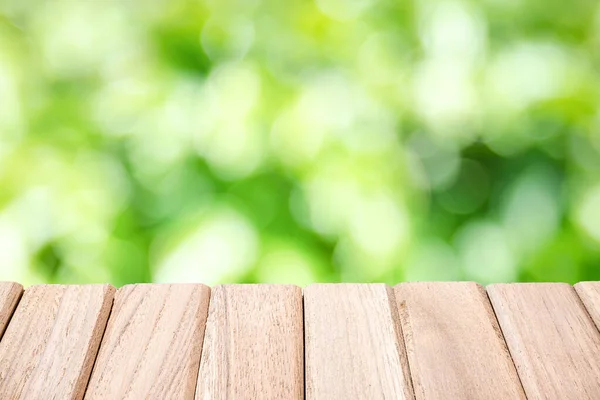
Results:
[418, 340]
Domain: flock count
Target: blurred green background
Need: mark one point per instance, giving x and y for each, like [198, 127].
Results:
[298, 141]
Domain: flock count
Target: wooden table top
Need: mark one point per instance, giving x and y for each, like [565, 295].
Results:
[443, 340]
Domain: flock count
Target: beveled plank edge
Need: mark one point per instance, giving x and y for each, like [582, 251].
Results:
[404, 325]
[498, 328]
[400, 342]
[98, 334]
[304, 363]
[15, 293]
[586, 302]
[201, 336]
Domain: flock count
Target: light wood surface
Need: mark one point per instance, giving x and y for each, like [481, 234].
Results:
[50, 345]
[10, 293]
[554, 343]
[253, 347]
[353, 343]
[422, 341]
[152, 344]
[589, 293]
[454, 345]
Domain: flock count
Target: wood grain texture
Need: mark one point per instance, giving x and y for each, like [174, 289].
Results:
[152, 344]
[253, 347]
[52, 340]
[353, 343]
[10, 293]
[554, 343]
[454, 345]
[589, 293]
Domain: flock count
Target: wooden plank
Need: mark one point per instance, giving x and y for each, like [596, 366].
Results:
[152, 345]
[353, 343]
[454, 345]
[589, 293]
[51, 342]
[253, 347]
[553, 341]
[10, 293]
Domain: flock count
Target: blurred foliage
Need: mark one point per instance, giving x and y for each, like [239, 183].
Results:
[299, 141]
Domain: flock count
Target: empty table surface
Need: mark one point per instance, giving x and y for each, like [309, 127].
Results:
[423, 340]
